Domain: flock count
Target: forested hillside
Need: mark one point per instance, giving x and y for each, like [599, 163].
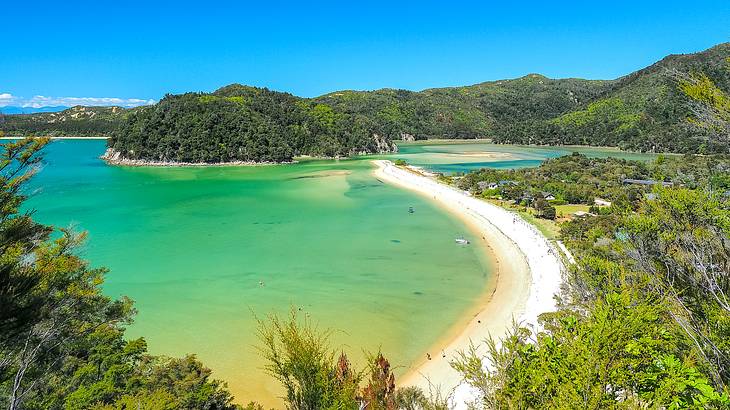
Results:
[239, 123]
[477, 111]
[679, 104]
[76, 121]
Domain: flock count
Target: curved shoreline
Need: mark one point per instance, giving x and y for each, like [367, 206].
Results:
[527, 273]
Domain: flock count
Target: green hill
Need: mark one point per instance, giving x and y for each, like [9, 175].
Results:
[240, 123]
[76, 121]
[485, 110]
[656, 108]
[679, 104]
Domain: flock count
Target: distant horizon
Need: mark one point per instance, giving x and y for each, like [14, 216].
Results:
[133, 54]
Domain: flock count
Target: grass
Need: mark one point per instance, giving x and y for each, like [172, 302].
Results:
[566, 211]
[549, 228]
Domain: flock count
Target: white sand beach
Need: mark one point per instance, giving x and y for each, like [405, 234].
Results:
[526, 275]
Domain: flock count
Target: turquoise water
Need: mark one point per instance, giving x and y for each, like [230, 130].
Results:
[191, 246]
[451, 157]
[204, 250]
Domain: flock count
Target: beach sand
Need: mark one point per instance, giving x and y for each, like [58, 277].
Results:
[527, 273]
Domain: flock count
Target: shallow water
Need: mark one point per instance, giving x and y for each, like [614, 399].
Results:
[463, 156]
[204, 250]
[191, 246]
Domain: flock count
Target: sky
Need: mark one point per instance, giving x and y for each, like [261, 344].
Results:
[134, 52]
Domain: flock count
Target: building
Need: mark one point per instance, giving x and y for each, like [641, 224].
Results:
[601, 202]
[487, 185]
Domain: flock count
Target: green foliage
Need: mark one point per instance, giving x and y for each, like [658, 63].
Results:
[544, 209]
[647, 110]
[76, 122]
[611, 110]
[644, 318]
[619, 354]
[681, 242]
[577, 179]
[710, 105]
[239, 123]
[413, 398]
[298, 355]
[702, 88]
[300, 358]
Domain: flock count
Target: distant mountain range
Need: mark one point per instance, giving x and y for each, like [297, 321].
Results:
[679, 104]
[30, 110]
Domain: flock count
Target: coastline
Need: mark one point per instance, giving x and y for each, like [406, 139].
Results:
[526, 274]
[463, 141]
[112, 157]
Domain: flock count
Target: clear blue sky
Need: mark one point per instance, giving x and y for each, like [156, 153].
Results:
[131, 49]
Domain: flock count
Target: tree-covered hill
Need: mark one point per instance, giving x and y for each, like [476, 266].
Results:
[482, 110]
[679, 104]
[76, 121]
[240, 123]
[662, 107]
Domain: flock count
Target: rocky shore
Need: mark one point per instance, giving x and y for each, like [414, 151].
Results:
[113, 157]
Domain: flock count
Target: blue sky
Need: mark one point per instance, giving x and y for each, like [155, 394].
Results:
[132, 51]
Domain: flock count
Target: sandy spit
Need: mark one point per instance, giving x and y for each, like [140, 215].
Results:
[527, 273]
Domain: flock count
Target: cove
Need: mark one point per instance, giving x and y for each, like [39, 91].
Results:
[203, 251]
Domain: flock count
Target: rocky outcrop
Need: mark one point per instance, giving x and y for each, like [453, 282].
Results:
[407, 137]
[384, 145]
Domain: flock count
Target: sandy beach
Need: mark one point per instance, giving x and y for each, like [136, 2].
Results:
[527, 273]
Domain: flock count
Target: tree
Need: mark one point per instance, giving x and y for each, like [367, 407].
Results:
[544, 208]
[50, 296]
[617, 354]
[300, 358]
[380, 393]
[680, 242]
[643, 320]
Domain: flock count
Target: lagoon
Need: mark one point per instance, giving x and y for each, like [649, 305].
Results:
[205, 251]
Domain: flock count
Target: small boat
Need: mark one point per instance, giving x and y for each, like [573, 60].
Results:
[410, 210]
[461, 241]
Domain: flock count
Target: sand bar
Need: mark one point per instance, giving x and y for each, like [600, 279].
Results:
[527, 273]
